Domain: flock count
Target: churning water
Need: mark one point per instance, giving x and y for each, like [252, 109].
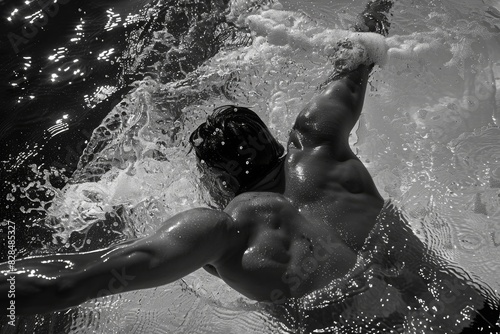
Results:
[427, 133]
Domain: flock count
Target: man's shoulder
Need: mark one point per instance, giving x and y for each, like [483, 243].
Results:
[250, 205]
[257, 198]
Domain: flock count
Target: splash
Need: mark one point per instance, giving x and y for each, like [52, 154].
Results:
[143, 140]
[137, 165]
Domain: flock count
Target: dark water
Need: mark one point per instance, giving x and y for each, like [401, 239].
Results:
[64, 67]
[32, 103]
[50, 66]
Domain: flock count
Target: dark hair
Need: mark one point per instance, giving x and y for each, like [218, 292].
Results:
[234, 139]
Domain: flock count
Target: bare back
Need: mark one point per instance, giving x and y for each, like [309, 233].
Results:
[337, 193]
[325, 179]
[299, 241]
[295, 243]
[278, 252]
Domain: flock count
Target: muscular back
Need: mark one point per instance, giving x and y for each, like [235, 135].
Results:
[277, 251]
[298, 241]
[295, 242]
[325, 179]
[337, 193]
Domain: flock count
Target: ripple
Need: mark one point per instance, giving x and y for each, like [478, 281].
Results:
[471, 241]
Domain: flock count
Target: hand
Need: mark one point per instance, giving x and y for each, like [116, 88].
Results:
[374, 17]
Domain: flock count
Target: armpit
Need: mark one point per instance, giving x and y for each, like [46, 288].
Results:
[311, 129]
[295, 139]
[211, 270]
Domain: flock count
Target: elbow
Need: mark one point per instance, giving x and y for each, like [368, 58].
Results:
[65, 293]
[65, 289]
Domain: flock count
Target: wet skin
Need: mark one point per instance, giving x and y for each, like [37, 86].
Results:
[298, 229]
[306, 231]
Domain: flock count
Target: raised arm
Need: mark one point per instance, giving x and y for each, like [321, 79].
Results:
[329, 118]
[185, 243]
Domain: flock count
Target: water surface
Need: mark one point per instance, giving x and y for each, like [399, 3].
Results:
[100, 103]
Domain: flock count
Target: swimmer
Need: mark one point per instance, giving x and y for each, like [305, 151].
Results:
[295, 221]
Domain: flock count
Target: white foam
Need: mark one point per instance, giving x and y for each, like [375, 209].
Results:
[375, 46]
[415, 46]
[296, 31]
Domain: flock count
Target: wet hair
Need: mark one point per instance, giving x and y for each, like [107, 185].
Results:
[236, 141]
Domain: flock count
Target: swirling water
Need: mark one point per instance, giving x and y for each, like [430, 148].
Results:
[427, 135]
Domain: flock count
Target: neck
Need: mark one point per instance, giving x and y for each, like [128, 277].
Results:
[274, 181]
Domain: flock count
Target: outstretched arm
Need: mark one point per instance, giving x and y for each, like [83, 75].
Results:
[329, 118]
[185, 243]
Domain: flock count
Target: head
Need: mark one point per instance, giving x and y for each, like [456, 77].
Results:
[235, 150]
